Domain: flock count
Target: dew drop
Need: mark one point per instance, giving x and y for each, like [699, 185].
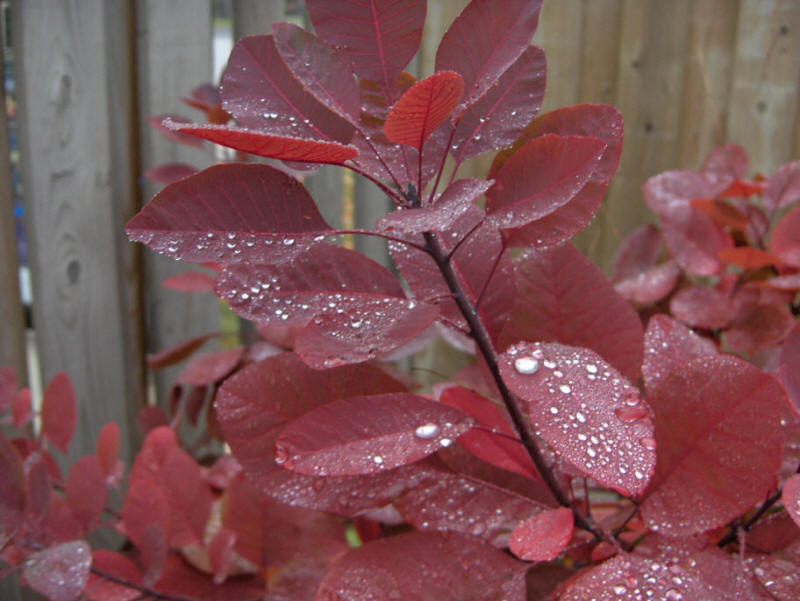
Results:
[565, 389]
[620, 590]
[445, 442]
[378, 459]
[639, 475]
[554, 410]
[427, 431]
[580, 417]
[673, 594]
[630, 414]
[592, 369]
[281, 456]
[526, 365]
[648, 443]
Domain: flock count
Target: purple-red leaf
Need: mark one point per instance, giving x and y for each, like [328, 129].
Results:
[59, 572]
[363, 435]
[86, 491]
[542, 176]
[485, 40]
[378, 37]
[145, 505]
[210, 367]
[651, 285]
[21, 407]
[544, 536]
[261, 143]
[718, 433]
[423, 108]
[759, 327]
[790, 496]
[116, 566]
[785, 241]
[12, 488]
[189, 498]
[179, 579]
[326, 279]
[423, 565]
[190, 281]
[635, 270]
[727, 162]
[176, 354]
[220, 554]
[59, 413]
[668, 345]
[169, 172]
[673, 189]
[563, 297]
[230, 213]
[586, 411]
[789, 369]
[500, 116]
[694, 240]
[107, 448]
[260, 91]
[157, 121]
[783, 187]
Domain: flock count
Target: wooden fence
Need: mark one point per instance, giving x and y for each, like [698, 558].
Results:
[687, 74]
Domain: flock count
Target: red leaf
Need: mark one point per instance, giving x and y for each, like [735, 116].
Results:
[59, 413]
[86, 491]
[673, 189]
[151, 418]
[758, 328]
[204, 97]
[367, 434]
[651, 285]
[59, 523]
[157, 121]
[789, 370]
[325, 279]
[790, 497]
[485, 40]
[747, 257]
[319, 68]
[190, 281]
[179, 579]
[145, 505]
[210, 367]
[702, 307]
[586, 411]
[220, 554]
[640, 250]
[542, 176]
[378, 37]
[783, 187]
[723, 213]
[264, 396]
[424, 566]
[38, 492]
[117, 566]
[230, 213]
[785, 241]
[176, 354]
[21, 408]
[107, 448]
[257, 142]
[778, 573]
[60, 572]
[12, 488]
[363, 332]
[544, 536]
[169, 172]
[563, 297]
[423, 108]
[262, 94]
[694, 240]
[727, 162]
[667, 346]
[500, 116]
[189, 498]
[710, 399]
[442, 214]
[496, 449]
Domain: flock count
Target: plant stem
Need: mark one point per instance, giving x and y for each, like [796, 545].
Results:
[484, 345]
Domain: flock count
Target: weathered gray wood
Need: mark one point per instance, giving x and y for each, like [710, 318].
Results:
[253, 17]
[12, 317]
[174, 46]
[76, 112]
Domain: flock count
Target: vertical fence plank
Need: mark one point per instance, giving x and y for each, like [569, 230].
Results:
[74, 66]
[174, 56]
[602, 20]
[12, 317]
[560, 24]
[253, 17]
[764, 94]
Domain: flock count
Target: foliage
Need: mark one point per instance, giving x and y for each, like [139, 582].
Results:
[613, 461]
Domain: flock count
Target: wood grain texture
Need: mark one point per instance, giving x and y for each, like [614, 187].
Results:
[76, 123]
[174, 56]
[560, 24]
[253, 17]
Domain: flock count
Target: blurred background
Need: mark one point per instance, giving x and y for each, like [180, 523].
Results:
[81, 78]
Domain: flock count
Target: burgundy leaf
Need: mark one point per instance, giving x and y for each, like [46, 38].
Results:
[169, 172]
[651, 285]
[447, 208]
[363, 332]
[708, 400]
[544, 536]
[667, 346]
[258, 142]
[500, 116]
[363, 435]
[758, 328]
[60, 524]
[783, 187]
[220, 554]
[591, 120]
[563, 297]
[21, 408]
[145, 505]
[176, 354]
[12, 488]
[378, 37]
[789, 370]
[423, 108]
[785, 242]
[230, 212]
[326, 279]
[179, 579]
[778, 573]
[189, 498]
[676, 189]
[190, 281]
[210, 367]
[542, 176]
[727, 162]
[38, 489]
[497, 449]
[319, 68]
[264, 396]
[423, 565]
[204, 97]
[694, 240]
[640, 249]
[157, 121]
[152, 417]
[790, 497]
[702, 307]
[59, 572]
[59, 413]
[586, 411]
[193, 405]
[727, 215]
[116, 566]
[747, 257]
[260, 91]
[86, 491]
[107, 448]
[485, 40]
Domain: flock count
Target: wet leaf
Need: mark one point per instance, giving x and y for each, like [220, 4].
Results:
[544, 536]
[59, 413]
[190, 281]
[59, 572]
[86, 491]
[209, 368]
